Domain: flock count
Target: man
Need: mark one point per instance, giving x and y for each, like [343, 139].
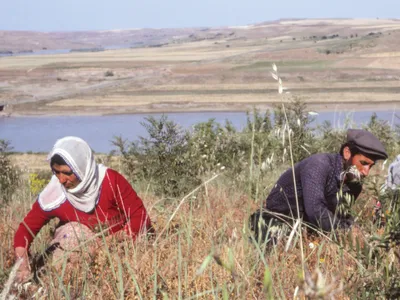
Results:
[393, 178]
[323, 181]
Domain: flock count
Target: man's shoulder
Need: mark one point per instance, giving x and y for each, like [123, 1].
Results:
[324, 163]
[322, 158]
[321, 165]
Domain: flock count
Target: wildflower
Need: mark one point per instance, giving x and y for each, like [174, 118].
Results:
[36, 183]
[263, 166]
[311, 245]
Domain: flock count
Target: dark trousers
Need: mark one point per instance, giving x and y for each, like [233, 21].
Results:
[266, 227]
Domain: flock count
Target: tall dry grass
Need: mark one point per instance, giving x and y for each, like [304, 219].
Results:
[205, 252]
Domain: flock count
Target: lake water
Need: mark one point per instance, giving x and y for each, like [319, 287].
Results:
[38, 52]
[38, 134]
[64, 51]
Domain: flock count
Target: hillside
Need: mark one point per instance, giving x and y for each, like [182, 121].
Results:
[327, 62]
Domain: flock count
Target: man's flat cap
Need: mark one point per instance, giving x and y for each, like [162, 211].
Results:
[366, 143]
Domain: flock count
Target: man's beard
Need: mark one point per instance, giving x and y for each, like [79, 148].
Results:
[351, 174]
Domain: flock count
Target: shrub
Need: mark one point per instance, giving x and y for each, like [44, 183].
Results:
[259, 138]
[330, 139]
[297, 118]
[382, 130]
[216, 148]
[109, 73]
[163, 158]
[9, 175]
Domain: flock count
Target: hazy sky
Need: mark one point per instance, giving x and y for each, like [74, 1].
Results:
[66, 15]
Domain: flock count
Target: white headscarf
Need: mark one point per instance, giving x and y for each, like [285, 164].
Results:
[79, 157]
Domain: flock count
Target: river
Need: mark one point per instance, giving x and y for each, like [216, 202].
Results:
[38, 134]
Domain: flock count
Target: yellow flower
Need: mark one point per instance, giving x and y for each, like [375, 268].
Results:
[36, 184]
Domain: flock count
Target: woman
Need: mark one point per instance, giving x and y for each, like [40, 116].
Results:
[81, 191]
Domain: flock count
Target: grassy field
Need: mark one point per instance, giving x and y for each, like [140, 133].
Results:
[205, 252]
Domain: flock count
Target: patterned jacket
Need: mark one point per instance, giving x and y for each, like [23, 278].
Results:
[318, 191]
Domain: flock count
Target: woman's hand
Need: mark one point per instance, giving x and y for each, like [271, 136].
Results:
[24, 270]
[23, 274]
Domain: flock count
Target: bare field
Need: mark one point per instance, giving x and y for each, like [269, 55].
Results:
[29, 162]
[181, 53]
[212, 98]
[226, 72]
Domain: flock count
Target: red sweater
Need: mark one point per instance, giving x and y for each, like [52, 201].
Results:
[118, 206]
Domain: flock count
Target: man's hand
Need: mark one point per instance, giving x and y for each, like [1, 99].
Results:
[358, 236]
[346, 223]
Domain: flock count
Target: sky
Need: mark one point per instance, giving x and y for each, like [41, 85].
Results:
[76, 15]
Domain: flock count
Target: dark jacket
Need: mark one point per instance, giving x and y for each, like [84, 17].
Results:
[318, 184]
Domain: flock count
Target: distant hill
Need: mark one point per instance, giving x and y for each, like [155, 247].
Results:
[326, 62]
[17, 41]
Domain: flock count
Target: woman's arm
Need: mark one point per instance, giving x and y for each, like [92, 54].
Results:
[27, 230]
[131, 206]
[30, 226]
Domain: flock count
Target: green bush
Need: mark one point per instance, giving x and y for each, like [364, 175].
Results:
[9, 175]
[162, 159]
[330, 139]
[295, 117]
[383, 131]
[215, 148]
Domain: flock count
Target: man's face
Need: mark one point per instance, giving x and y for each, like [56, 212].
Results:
[362, 163]
[65, 175]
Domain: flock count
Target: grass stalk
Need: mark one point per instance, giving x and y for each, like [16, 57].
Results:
[180, 204]
[295, 192]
